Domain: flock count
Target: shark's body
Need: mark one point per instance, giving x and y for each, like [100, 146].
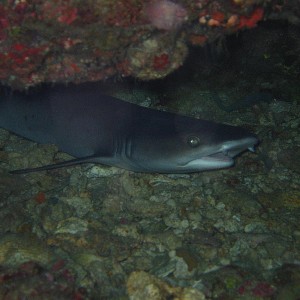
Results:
[102, 129]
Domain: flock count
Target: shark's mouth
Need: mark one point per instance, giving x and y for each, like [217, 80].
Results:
[221, 157]
[213, 161]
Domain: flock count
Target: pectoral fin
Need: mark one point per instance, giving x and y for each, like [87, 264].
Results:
[62, 164]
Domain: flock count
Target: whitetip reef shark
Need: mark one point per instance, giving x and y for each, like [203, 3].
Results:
[97, 128]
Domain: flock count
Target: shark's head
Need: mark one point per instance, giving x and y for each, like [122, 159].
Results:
[190, 145]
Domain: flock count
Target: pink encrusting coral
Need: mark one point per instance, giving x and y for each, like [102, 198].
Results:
[164, 14]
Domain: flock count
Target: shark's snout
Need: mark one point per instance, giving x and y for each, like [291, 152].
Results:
[235, 147]
[223, 156]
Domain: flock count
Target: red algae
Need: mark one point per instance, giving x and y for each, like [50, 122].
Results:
[40, 197]
[124, 13]
[250, 22]
[160, 62]
[61, 13]
[4, 23]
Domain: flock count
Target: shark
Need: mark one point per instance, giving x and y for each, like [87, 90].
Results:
[96, 128]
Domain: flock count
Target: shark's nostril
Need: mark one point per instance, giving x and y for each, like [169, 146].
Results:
[225, 152]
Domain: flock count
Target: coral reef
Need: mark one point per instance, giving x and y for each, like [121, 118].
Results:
[68, 40]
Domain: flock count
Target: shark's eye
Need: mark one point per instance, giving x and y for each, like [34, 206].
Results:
[193, 141]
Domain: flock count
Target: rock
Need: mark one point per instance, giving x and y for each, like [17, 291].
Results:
[141, 285]
[16, 249]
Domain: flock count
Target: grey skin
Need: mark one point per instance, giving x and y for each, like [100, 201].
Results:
[101, 129]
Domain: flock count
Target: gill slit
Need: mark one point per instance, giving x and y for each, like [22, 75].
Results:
[123, 147]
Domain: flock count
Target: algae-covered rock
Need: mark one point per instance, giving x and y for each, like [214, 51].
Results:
[16, 249]
[141, 285]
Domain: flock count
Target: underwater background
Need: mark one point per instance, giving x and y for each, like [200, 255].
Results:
[97, 232]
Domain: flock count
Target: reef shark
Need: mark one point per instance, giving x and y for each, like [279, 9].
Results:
[97, 128]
